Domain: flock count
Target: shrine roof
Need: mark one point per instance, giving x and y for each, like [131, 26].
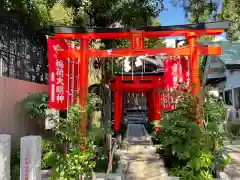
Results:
[230, 53]
[220, 25]
[199, 26]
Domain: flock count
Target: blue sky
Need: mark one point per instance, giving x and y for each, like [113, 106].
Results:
[173, 16]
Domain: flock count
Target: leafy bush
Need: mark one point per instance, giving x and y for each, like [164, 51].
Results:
[36, 104]
[233, 129]
[77, 162]
[15, 163]
[192, 148]
[48, 149]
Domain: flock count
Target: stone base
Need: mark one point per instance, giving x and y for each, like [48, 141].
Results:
[45, 174]
[102, 176]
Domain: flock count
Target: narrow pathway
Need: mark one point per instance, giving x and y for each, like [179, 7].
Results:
[140, 158]
[142, 163]
[233, 169]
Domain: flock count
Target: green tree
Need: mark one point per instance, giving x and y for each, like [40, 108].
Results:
[231, 12]
[87, 13]
[201, 11]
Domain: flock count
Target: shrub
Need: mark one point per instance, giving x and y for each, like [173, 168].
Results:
[193, 149]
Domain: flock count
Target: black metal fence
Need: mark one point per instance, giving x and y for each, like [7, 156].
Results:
[22, 50]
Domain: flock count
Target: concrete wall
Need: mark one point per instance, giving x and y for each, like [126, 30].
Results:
[13, 119]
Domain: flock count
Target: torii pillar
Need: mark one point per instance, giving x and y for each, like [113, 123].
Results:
[194, 63]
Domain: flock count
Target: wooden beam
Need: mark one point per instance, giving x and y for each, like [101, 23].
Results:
[93, 53]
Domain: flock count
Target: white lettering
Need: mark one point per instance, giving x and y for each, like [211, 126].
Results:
[57, 48]
[60, 98]
[59, 64]
[53, 93]
[59, 89]
[59, 80]
[59, 72]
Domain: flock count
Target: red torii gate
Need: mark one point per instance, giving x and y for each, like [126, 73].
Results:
[136, 36]
[137, 83]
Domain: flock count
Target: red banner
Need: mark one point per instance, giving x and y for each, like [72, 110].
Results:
[175, 74]
[73, 86]
[63, 76]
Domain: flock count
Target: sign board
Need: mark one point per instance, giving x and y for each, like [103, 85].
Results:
[175, 74]
[63, 76]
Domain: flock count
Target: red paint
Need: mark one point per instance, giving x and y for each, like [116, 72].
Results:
[57, 74]
[26, 167]
[175, 74]
[194, 63]
[94, 53]
[157, 129]
[61, 76]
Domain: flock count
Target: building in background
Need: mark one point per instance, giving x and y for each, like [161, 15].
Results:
[222, 73]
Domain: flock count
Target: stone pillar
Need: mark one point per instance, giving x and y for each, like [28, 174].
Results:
[5, 156]
[30, 161]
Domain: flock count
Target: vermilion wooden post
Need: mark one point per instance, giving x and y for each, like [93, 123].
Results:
[148, 106]
[116, 125]
[151, 107]
[157, 108]
[83, 81]
[194, 64]
[120, 94]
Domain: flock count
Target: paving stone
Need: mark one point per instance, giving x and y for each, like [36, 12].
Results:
[233, 169]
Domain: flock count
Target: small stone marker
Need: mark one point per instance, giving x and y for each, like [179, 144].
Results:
[5, 156]
[30, 160]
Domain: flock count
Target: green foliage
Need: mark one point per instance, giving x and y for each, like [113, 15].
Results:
[197, 10]
[15, 163]
[85, 13]
[202, 10]
[231, 12]
[36, 104]
[102, 161]
[234, 130]
[49, 148]
[76, 162]
[106, 13]
[61, 14]
[192, 150]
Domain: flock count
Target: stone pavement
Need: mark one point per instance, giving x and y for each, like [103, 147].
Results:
[233, 169]
[140, 159]
[142, 163]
